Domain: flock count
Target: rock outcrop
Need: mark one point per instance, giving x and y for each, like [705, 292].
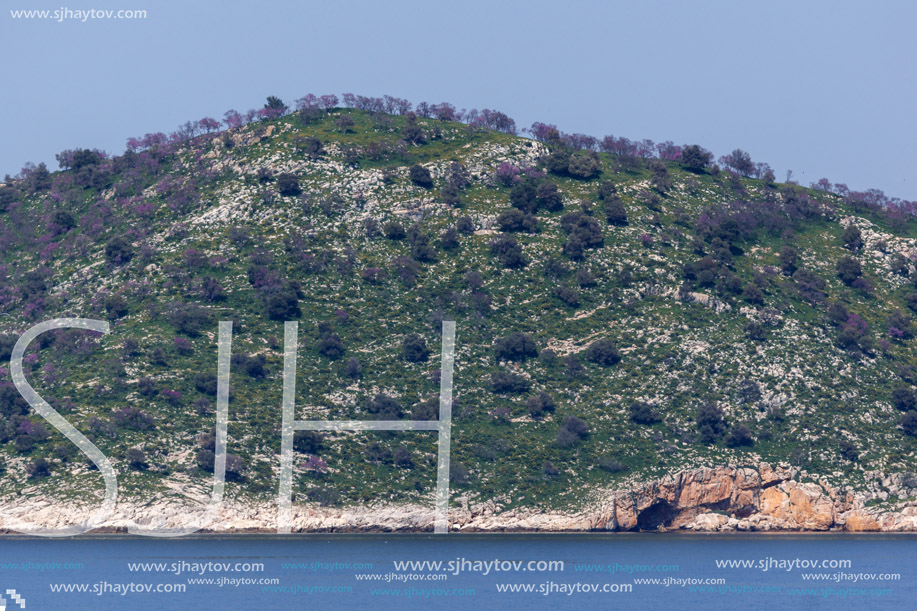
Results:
[761, 498]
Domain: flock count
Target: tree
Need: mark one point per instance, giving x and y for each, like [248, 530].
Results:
[739, 435]
[509, 252]
[852, 237]
[503, 382]
[331, 346]
[643, 413]
[615, 213]
[695, 158]
[740, 162]
[710, 422]
[118, 250]
[539, 404]
[909, 423]
[849, 270]
[288, 184]
[572, 431]
[414, 348]
[513, 219]
[384, 406]
[421, 176]
[515, 347]
[603, 352]
[903, 398]
[275, 107]
[393, 230]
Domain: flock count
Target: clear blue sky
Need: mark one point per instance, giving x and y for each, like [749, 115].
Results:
[823, 88]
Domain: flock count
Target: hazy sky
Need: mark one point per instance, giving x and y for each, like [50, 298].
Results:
[823, 88]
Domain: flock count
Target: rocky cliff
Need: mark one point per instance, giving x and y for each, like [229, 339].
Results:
[760, 498]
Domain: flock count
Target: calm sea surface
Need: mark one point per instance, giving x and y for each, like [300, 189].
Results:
[645, 571]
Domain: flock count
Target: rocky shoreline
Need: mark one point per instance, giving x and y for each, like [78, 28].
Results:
[720, 499]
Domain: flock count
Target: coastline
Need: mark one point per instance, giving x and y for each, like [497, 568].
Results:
[721, 500]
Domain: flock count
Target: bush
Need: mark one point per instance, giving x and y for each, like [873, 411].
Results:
[539, 404]
[909, 423]
[755, 331]
[607, 463]
[39, 468]
[414, 348]
[426, 410]
[133, 418]
[384, 406]
[421, 176]
[465, 225]
[331, 346]
[568, 295]
[603, 352]
[852, 237]
[572, 431]
[903, 398]
[515, 347]
[643, 413]
[394, 230]
[740, 435]
[288, 184]
[615, 213]
[849, 270]
[136, 458]
[282, 303]
[517, 220]
[352, 369]
[509, 252]
[848, 450]
[189, 318]
[205, 383]
[118, 250]
[695, 158]
[503, 382]
[307, 442]
[710, 422]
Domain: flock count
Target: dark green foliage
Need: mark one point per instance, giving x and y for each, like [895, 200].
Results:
[695, 158]
[615, 213]
[421, 176]
[739, 435]
[136, 458]
[509, 252]
[503, 382]
[189, 318]
[848, 450]
[539, 404]
[307, 442]
[909, 423]
[603, 352]
[710, 422]
[852, 237]
[572, 431]
[394, 230]
[643, 413]
[118, 250]
[384, 406]
[517, 220]
[903, 398]
[414, 348]
[849, 270]
[288, 184]
[515, 347]
[39, 468]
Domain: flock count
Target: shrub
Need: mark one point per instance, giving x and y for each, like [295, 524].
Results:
[394, 230]
[205, 383]
[572, 431]
[385, 406]
[903, 398]
[118, 250]
[352, 369]
[848, 450]
[448, 239]
[852, 237]
[465, 225]
[603, 352]
[288, 184]
[515, 347]
[909, 423]
[503, 382]
[414, 348]
[568, 295]
[136, 458]
[789, 260]
[509, 252]
[710, 422]
[133, 418]
[281, 303]
[331, 346]
[517, 220]
[849, 270]
[426, 410]
[189, 318]
[615, 213]
[755, 331]
[39, 468]
[695, 158]
[307, 442]
[539, 404]
[739, 435]
[611, 465]
[643, 413]
[421, 176]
